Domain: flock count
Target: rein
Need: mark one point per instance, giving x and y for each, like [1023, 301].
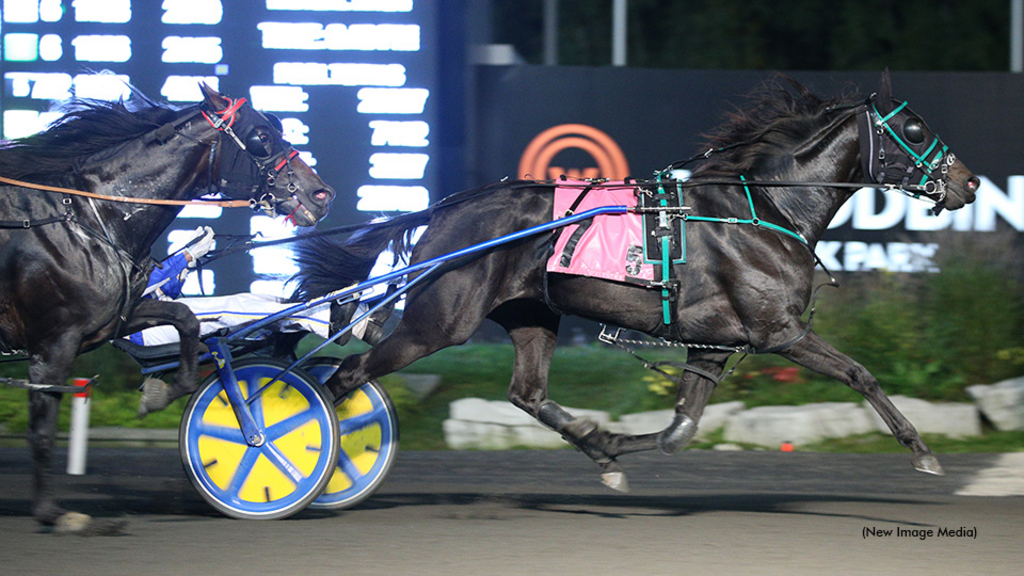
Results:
[222, 121]
[126, 199]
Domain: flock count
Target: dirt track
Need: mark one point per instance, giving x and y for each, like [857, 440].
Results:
[537, 513]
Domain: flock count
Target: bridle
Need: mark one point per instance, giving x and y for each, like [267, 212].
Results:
[921, 175]
[262, 171]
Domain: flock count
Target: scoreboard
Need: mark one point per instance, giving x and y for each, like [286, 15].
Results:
[353, 81]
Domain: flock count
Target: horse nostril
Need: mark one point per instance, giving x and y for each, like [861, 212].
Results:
[973, 183]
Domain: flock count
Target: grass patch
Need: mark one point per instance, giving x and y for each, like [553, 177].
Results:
[990, 441]
[593, 376]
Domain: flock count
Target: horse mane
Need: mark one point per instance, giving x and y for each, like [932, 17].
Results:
[87, 127]
[779, 114]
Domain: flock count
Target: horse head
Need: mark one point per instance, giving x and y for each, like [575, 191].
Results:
[257, 162]
[898, 147]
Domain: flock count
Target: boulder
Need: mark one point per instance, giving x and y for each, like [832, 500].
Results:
[475, 423]
[772, 425]
[714, 417]
[953, 419]
[1001, 403]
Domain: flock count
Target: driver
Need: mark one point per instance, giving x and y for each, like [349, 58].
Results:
[220, 312]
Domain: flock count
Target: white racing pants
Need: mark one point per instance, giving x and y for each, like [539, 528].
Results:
[217, 312]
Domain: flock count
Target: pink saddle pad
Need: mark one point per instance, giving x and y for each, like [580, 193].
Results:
[612, 247]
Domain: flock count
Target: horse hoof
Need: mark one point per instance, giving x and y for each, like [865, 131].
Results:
[928, 464]
[83, 525]
[156, 396]
[71, 523]
[616, 481]
[678, 434]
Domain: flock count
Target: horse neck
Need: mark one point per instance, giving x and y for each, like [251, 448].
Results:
[832, 155]
[178, 169]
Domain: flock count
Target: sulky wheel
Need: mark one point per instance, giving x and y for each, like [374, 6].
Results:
[369, 440]
[283, 475]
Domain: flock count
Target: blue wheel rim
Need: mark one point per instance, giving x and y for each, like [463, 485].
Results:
[379, 416]
[240, 496]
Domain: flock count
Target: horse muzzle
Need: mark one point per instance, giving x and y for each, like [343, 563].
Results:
[962, 187]
[297, 212]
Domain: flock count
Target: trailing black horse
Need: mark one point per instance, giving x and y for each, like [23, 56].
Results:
[746, 280]
[73, 268]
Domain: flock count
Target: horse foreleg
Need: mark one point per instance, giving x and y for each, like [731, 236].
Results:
[157, 394]
[691, 398]
[43, 408]
[814, 353]
[50, 363]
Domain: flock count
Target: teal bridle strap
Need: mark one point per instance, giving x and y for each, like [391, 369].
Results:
[920, 160]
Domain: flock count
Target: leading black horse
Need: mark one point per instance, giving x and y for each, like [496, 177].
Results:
[743, 286]
[73, 269]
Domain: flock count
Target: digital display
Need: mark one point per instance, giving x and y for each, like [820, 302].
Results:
[351, 80]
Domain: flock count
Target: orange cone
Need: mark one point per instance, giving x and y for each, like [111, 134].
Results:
[787, 446]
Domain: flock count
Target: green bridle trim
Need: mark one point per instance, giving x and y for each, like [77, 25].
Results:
[920, 160]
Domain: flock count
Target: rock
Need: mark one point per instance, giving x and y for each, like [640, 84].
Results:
[727, 447]
[475, 423]
[714, 417]
[953, 419]
[421, 385]
[1001, 403]
[770, 426]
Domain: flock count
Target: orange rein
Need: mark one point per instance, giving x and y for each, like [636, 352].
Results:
[129, 200]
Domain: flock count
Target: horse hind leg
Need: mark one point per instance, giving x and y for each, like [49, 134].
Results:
[533, 330]
[427, 327]
[698, 381]
[814, 353]
[587, 437]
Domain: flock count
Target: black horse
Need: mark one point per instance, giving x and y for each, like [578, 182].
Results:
[73, 269]
[743, 286]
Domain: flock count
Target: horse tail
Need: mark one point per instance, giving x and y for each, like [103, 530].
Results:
[327, 264]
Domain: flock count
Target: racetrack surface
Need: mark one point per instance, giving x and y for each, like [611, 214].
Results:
[537, 513]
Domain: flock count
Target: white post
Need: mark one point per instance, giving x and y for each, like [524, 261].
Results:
[619, 33]
[78, 437]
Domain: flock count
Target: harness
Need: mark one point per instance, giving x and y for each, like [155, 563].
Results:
[922, 176]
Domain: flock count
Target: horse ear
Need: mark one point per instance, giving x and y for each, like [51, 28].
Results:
[884, 99]
[213, 98]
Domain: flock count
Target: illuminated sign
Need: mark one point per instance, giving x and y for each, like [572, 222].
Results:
[351, 81]
[538, 160]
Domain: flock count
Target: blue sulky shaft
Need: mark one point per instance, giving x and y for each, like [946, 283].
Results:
[430, 265]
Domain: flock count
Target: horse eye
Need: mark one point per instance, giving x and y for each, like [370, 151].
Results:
[257, 144]
[913, 131]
